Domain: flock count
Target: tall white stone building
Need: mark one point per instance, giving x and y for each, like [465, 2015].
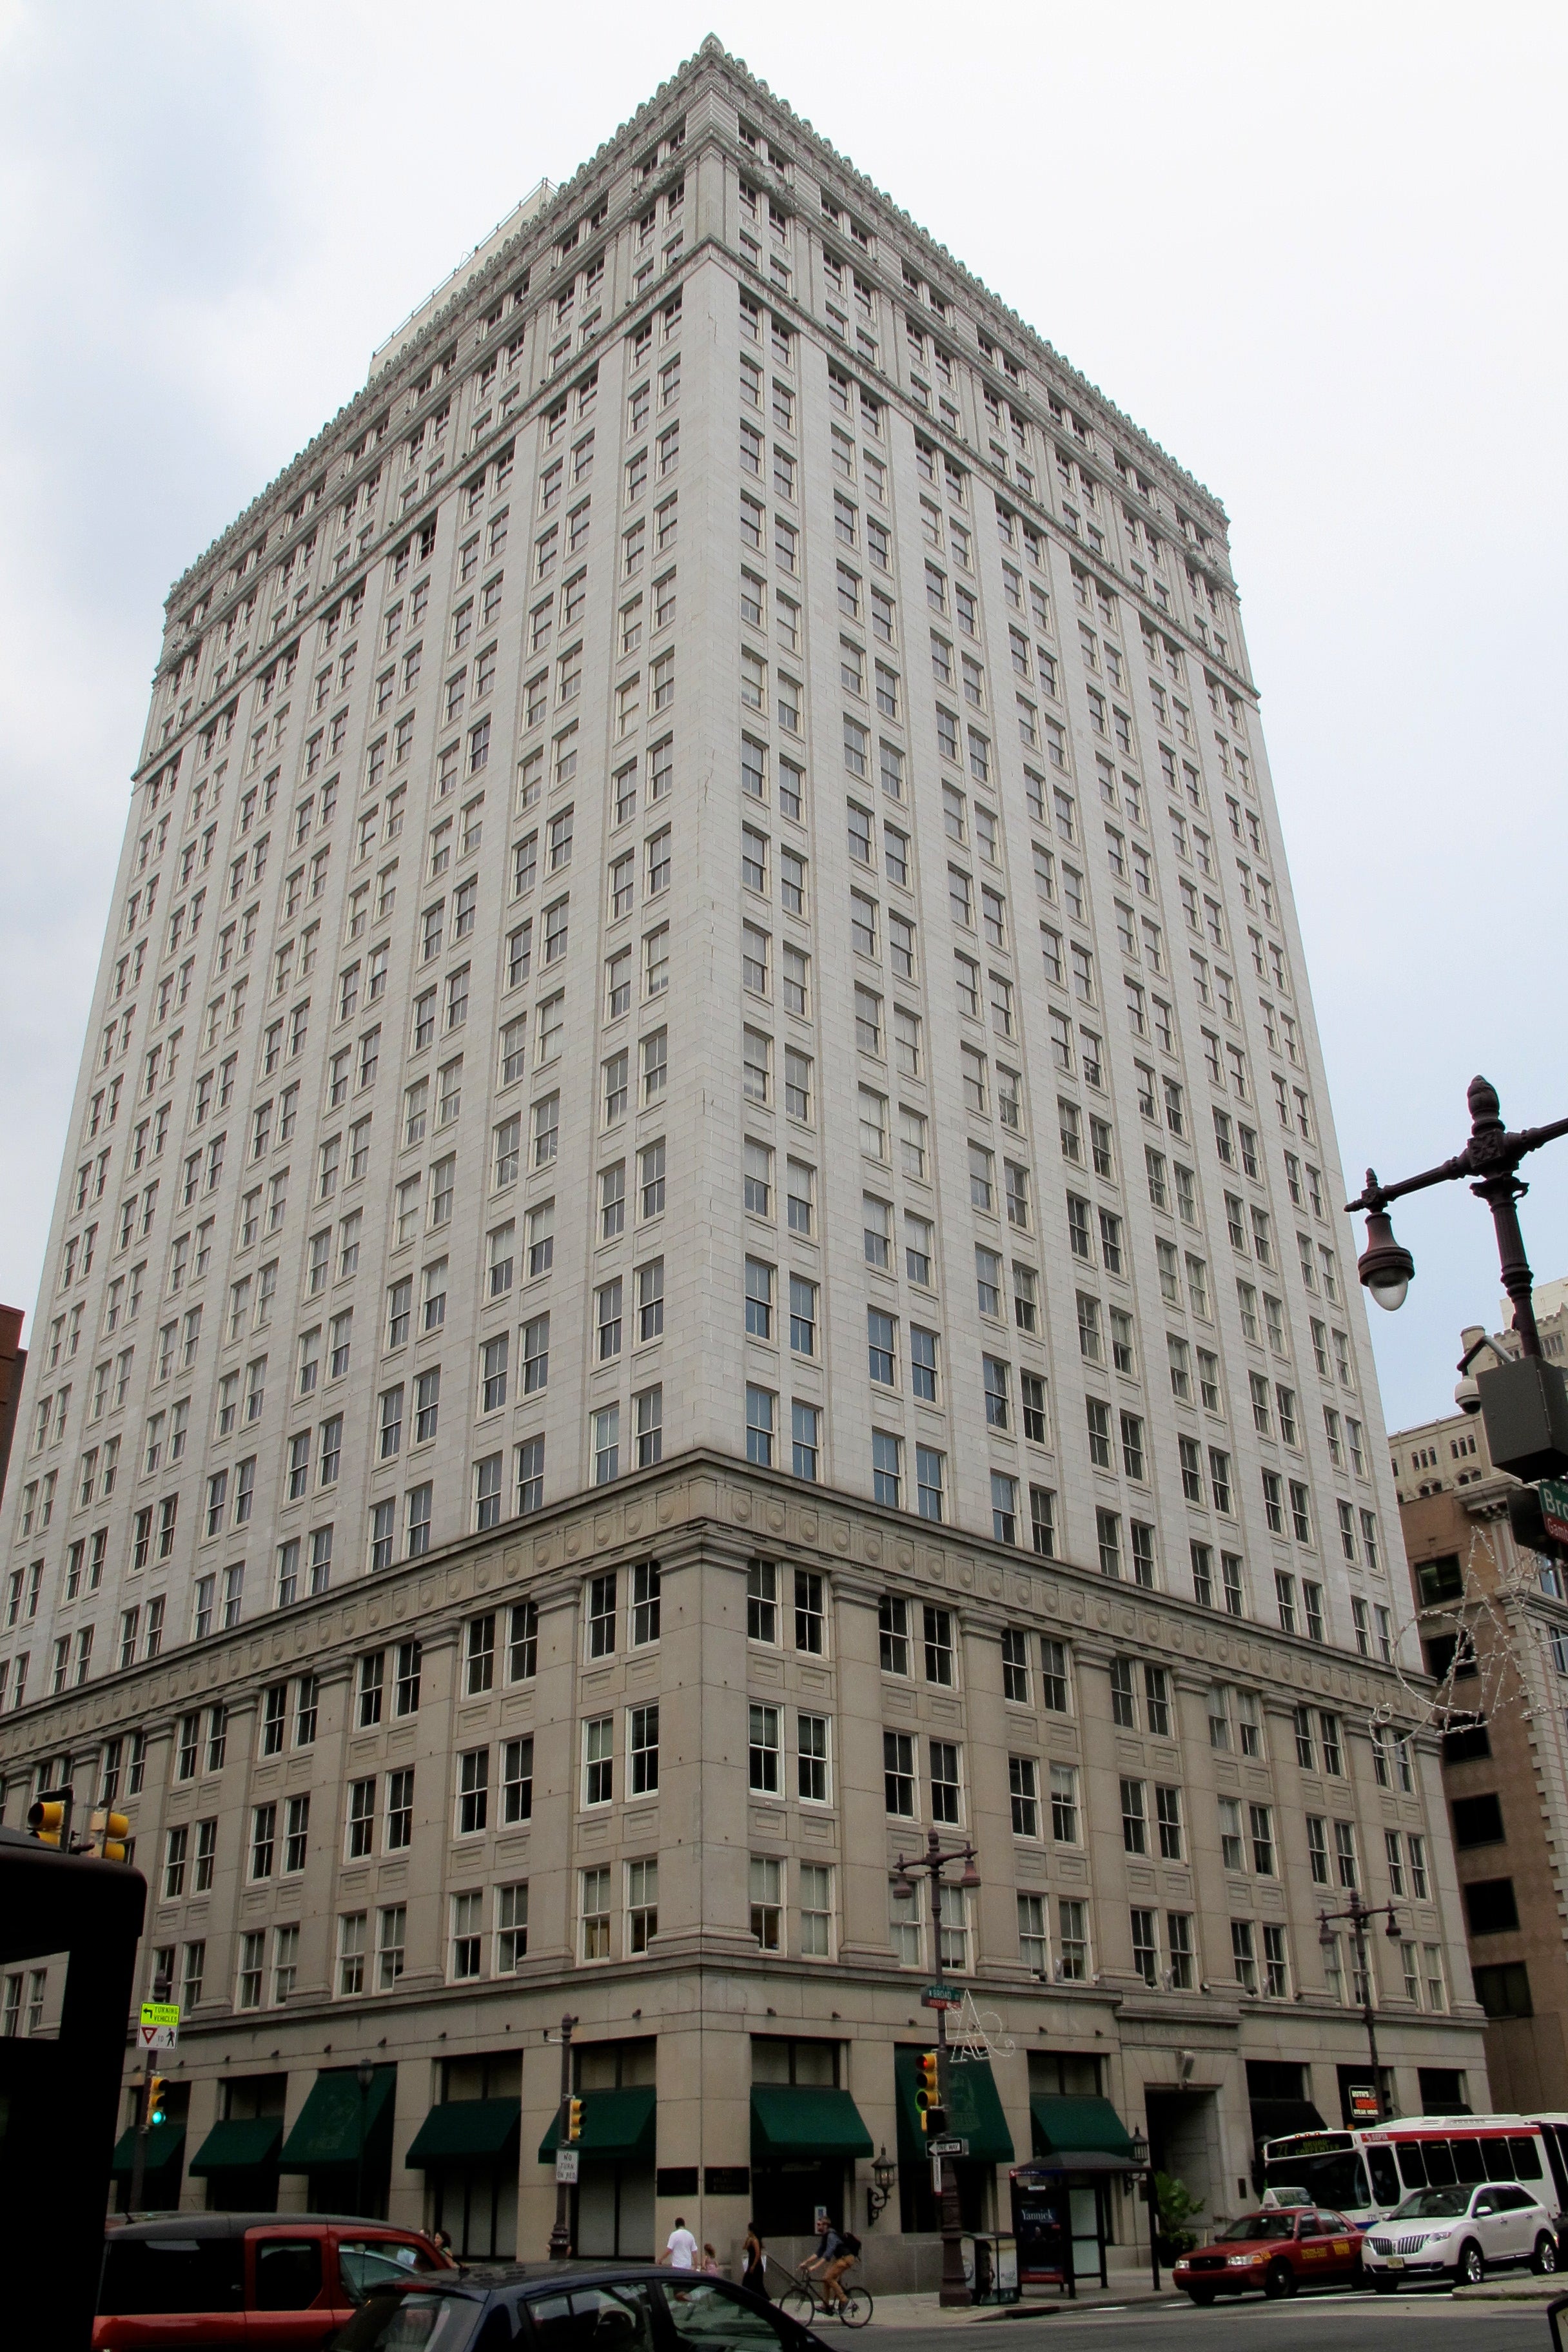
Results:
[700, 1231]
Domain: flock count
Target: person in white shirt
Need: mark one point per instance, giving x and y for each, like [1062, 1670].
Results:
[681, 2248]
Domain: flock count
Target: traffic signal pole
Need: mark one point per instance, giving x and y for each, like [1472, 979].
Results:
[139, 2144]
[561, 2235]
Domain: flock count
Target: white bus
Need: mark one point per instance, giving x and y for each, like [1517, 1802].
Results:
[1364, 2171]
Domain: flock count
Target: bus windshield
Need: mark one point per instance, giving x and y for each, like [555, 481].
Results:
[1433, 2205]
[1336, 2180]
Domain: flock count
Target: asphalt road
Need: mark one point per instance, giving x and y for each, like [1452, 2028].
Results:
[1425, 2321]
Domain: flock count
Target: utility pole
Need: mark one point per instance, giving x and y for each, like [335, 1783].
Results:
[561, 2235]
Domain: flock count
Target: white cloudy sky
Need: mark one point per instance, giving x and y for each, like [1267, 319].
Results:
[1315, 251]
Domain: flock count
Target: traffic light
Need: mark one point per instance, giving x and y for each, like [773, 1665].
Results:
[574, 2119]
[111, 1831]
[47, 1819]
[928, 2093]
[155, 2112]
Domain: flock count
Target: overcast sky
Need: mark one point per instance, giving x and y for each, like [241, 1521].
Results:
[1315, 252]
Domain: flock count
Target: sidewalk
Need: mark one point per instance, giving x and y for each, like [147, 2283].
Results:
[1522, 2288]
[926, 2310]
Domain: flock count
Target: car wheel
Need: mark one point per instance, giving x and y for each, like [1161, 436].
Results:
[1202, 2295]
[1471, 2267]
[1384, 2282]
[1278, 2281]
[1545, 2258]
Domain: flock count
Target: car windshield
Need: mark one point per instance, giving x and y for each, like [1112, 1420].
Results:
[413, 2323]
[1264, 2225]
[375, 2262]
[1433, 2205]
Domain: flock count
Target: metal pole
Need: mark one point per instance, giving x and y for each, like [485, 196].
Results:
[1153, 2198]
[139, 2144]
[561, 2235]
[359, 2154]
[954, 2293]
[1359, 1918]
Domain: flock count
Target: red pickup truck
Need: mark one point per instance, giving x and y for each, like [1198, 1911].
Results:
[202, 2281]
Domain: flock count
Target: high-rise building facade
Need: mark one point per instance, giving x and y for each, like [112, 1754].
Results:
[700, 1233]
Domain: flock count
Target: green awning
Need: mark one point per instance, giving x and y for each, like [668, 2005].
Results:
[330, 2121]
[461, 2129]
[975, 2110]
[619, 2125]
[806, 2119]
[165, 2142]
[239, 2146]
[1081, 2135]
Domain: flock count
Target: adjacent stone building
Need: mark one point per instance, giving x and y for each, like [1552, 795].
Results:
[701, 1233]
[1493, 1623]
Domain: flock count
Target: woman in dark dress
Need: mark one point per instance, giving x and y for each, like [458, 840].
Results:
[754, 2262]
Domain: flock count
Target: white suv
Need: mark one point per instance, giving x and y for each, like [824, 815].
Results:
[1459, 2234]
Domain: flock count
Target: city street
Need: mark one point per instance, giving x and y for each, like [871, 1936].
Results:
[1425, 2321]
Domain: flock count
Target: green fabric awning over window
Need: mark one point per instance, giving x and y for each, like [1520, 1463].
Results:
[975, 2110]
[463, 2130]
[1079, 2135]
[165, 2142]
[239, 2145]
[333, 2116]
[618, 2126]
[806, 2119]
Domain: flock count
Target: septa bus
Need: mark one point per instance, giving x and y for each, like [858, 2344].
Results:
[1367, 2169]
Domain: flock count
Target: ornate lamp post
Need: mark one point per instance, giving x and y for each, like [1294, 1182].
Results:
[1359, 1915]
[933, 1861]
[1492, 1163]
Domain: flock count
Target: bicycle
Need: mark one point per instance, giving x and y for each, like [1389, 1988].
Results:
[803, 2302]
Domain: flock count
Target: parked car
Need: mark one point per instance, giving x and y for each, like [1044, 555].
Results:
[1276, 2251]
[1459, 2234]
[273, 2279]
[576, 2306]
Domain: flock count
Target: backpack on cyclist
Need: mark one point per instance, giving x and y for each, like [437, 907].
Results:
[849, 2241]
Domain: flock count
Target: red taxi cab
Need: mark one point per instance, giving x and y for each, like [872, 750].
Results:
[1274, 2252]
[199, 2281]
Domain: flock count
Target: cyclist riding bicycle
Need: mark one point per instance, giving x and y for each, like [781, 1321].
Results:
[833, 2257]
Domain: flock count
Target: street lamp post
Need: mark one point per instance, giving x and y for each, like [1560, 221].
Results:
[1360, 1914]
[1490, 1159]
[934, 1861]
[560, 2233]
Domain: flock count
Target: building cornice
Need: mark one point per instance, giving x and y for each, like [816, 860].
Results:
[703, 1499]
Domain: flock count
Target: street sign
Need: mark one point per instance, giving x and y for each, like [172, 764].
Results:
[160, 2025]
[940, 1996]
[940, 2147]
[566, 2166]
[1554, 1495]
